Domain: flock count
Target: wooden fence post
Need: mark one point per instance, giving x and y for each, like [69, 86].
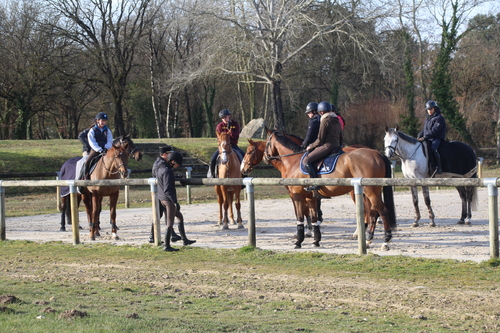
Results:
[75, 225]
[480, 167]
[58, 192]
[360, 214]
[155, 210]
[252, 239]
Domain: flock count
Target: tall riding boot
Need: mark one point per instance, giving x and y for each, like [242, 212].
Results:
[437, 157]
[317, 235]
[152, 234]
[312, 174]
[175, 237]
[182, 231]
[300, 236]
[167, 246]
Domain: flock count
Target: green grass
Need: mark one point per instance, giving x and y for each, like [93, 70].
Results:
[245, 290]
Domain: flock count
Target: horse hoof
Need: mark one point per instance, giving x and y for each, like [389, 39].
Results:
[432, 224]
[92, 238]
[415, 224]
[468, 223]
[298, 246]
[461, 222]
[62, 229]
[114, 236]
[384, 247]
[233, 222]
[316, 244]
[98, 234]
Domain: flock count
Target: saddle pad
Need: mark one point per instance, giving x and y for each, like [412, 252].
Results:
[327, 165]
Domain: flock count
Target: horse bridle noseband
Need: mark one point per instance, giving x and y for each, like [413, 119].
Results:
[115, 157]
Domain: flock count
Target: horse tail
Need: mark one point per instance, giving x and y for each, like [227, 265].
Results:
[389, 194]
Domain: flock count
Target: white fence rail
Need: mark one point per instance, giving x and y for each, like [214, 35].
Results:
[358, 183]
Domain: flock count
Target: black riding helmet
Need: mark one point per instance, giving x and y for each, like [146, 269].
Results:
[101, 115]
[224, 113]
[175, 156]
[324, 107]
[312, 107]
[430, 105]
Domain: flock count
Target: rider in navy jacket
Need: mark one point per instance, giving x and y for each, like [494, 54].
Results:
[434, 130]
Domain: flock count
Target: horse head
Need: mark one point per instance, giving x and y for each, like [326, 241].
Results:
[116, 160]
[391, 139]
[128, 144]
[253, 156]
[224, 147]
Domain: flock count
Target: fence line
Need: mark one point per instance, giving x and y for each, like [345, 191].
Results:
[357, 183]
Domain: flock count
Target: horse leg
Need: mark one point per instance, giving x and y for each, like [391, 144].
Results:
[466, 211]
[225, 205]
[95, 216]
[427, 200]
[237, 204]
[300, 235]
[414, 197]
[113, 200]
[378, 205]
[220, 201]
[230, 195]
[64, 213]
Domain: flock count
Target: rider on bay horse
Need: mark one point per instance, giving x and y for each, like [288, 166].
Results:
[100, 140]
[330, 140]
[434, 131]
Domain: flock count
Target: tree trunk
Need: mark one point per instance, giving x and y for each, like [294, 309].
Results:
[279, 118]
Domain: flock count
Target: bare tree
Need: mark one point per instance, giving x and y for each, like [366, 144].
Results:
[110, 30]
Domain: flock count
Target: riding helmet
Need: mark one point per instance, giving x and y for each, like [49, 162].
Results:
[312, 107]
[430, 105]
[176, 156]
[165, 149]
[324, 107]
[224, 113]
[101, 115]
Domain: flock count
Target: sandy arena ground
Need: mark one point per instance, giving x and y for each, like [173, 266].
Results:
[275, 225]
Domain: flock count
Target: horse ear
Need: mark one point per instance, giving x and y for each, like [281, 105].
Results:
[250, 141]
[386, 128]
[268, 130]
[396, 128]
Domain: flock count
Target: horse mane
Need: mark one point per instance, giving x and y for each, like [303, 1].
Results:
[287, 143]
[408, 138]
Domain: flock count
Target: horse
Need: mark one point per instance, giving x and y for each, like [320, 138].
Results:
[285, 155]
[228, 167]
[112, 165]
[458, 161]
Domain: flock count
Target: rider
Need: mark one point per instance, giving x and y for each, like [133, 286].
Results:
[434, 131]
[330, 140]
[83, 137]
[313, 127]
[227, 125]
[167, 194]
[100, 140]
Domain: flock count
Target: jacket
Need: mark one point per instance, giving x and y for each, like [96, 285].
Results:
[233, 127]
[165, 180]
[330, 132]
[434, 127]
[312, 130]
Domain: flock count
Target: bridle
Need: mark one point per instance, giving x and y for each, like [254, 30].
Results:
[393, 149]
[116, 156]
[267, 158]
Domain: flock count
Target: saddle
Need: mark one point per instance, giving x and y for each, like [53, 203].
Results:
[324, 166]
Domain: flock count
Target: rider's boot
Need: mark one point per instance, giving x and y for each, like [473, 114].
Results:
[312, 174]
[437, 157]
[167, 246]
[317, 235]
[300, 236]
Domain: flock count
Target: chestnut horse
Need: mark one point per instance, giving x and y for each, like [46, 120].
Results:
[112, 165]
[228, 167]
[285, 155]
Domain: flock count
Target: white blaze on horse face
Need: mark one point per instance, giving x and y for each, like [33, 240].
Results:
[223, 154]
[389, 143]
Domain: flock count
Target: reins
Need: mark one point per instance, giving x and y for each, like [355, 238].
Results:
[267, 158]
[117, 168]
[394, 149]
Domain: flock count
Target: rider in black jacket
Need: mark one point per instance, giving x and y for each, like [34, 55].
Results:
[434, 131]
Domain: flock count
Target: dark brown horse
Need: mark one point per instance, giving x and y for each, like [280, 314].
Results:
[285, 155]
[228, 167]
[112, 165]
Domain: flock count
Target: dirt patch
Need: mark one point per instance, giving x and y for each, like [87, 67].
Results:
[275, 227]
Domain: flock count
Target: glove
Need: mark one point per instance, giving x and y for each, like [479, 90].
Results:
[104, 151]
[421, 139]
[177, 207]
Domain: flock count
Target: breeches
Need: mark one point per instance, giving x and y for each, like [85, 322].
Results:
[319, 153]
[169, 212]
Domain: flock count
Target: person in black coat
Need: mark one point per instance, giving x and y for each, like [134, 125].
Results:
[434, 131]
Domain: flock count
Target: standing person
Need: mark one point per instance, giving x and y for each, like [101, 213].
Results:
[227, 125]
[164, 153]
[434, 131]
[313, 126]
[167, 195]
[330, 140]
[100, 140]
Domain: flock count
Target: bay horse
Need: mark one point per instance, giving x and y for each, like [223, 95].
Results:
[112, 165]
[458, 161]
[285, 155]
[228, 167]
[255, 154]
